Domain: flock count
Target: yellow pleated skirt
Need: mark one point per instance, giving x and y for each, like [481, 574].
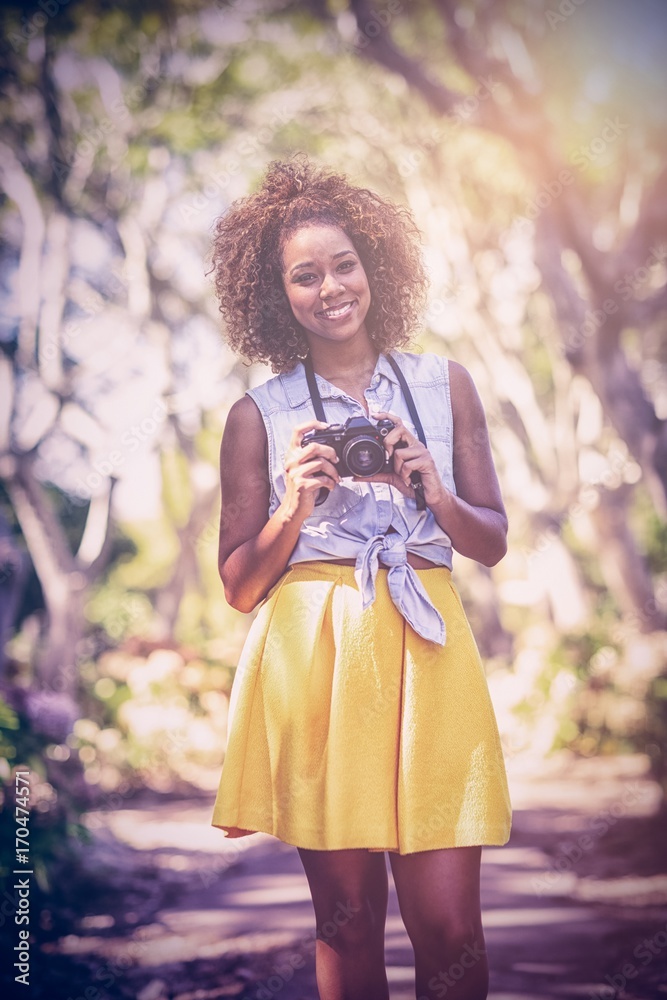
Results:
[349, 730]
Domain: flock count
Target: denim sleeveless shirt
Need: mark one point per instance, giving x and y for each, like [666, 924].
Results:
[354, 520]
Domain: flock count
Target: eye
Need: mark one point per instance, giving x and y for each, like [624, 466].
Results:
[347, 264]
[302, 279]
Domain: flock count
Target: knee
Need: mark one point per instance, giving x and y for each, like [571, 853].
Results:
[459, 940]
[352, 925]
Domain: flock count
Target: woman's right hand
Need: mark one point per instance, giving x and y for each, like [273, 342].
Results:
[301, 467]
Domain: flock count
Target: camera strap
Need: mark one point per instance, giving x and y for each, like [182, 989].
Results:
[314, 391]
[408, 399]
[415, 478]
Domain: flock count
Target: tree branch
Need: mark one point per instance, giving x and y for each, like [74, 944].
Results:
[41, 529]
[97, 539]
[650, 228]
[596, 354]
[19, 187]
[436, 94]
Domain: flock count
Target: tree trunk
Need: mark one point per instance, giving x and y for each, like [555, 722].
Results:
[14, 566]
[623, 567]
[62, 576]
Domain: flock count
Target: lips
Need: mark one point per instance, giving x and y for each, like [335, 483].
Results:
[336, 312]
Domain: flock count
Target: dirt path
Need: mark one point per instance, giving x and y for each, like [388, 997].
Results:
[575, 906]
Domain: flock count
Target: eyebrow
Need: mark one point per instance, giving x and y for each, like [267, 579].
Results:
[310, 263]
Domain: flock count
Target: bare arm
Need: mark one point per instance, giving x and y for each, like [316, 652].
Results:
[475, 517]
[254, 549]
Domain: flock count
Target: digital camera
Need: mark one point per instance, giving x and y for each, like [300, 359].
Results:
[359, 445]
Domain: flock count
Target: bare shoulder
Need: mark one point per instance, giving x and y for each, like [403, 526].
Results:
[245, 412]
[463, 391]
[244, 428]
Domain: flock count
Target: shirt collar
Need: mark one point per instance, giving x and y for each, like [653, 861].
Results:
[296, 384]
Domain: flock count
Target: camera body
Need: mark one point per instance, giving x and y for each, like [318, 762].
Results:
[359, 445]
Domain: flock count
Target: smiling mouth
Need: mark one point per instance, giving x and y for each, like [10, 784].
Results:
[336, 312]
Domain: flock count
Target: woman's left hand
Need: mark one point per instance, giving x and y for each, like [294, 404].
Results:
[414, 457]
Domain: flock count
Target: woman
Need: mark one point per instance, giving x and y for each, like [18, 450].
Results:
[360, 720]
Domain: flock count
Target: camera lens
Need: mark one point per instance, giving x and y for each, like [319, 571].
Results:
[364, 456]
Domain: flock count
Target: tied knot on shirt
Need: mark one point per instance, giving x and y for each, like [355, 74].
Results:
[405, 588]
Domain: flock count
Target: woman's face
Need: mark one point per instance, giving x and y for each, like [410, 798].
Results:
[326, 283]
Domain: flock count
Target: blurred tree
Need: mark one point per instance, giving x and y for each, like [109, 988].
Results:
[95, 108]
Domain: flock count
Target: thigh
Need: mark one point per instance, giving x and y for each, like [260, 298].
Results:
[346, 883]
[439, 890]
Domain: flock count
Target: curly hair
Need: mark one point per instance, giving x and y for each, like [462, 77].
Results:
[246, 258]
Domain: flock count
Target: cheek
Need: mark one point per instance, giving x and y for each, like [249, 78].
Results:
[292, 295]
[364, 286]
[297, 300]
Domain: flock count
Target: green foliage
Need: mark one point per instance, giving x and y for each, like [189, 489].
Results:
[155, 547]
[120, 611]
[176, 487]
[153, 718]
[655, 541]
[53, 822]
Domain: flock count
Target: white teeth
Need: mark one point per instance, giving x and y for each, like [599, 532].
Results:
[335, 313]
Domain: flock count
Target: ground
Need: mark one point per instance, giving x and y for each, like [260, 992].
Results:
[575, 905]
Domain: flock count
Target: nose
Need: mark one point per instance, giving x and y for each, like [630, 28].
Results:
[330, 286]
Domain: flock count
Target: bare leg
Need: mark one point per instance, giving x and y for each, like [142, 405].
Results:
[438, 895]
[349, 890]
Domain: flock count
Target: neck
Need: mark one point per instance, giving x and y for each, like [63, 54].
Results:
[343, 361]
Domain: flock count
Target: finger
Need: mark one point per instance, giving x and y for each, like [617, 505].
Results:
[405, 468]
[387, 413]
[399, 434]
[314, 484]
[407, 454]
[317, 448]
[419, 462]
[408, 469]
[300, 455]
[300, 429]
[308, 469]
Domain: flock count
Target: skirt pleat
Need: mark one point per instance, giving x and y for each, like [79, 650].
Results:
[349, 730]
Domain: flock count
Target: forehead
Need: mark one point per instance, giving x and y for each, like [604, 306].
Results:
[316, 242]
